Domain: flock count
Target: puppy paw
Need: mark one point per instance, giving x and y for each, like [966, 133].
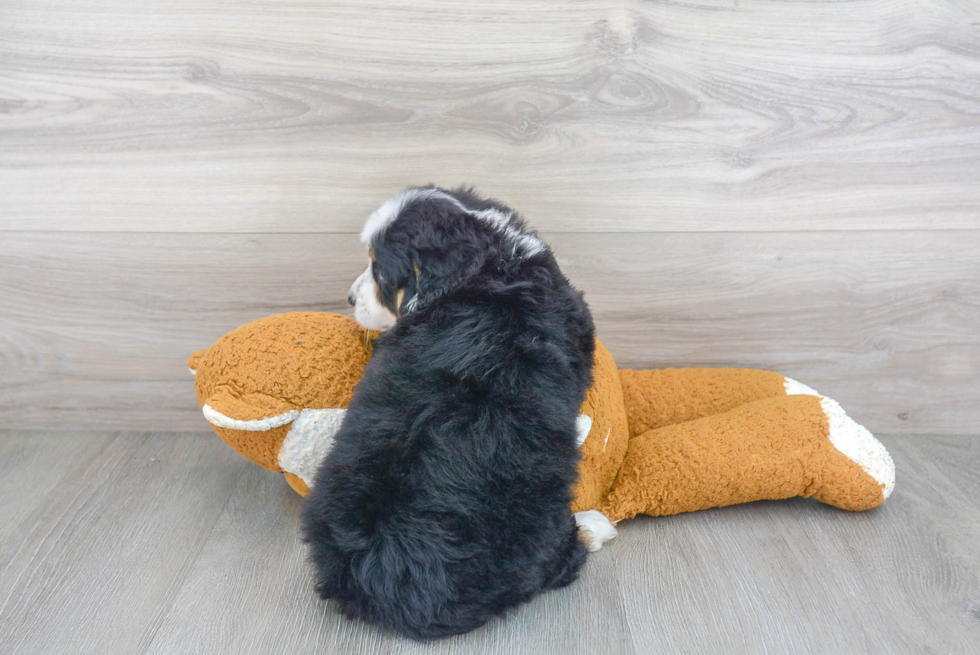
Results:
[594, 529]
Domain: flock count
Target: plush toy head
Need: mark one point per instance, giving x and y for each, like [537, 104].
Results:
[272, 387]
[276, 389]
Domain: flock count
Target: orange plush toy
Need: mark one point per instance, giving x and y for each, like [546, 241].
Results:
[654, 442]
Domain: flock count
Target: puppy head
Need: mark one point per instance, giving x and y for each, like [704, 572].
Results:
[426, 241]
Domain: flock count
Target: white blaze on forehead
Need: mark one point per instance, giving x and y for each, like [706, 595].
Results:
[389, 210]
[525, 245]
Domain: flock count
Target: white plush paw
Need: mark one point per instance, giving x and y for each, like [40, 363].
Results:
[594, 528]
[859, 445]
[852, 439]
[795, 388]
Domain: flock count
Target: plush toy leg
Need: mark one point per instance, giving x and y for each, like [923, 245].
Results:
[661, 397]
[797, 445]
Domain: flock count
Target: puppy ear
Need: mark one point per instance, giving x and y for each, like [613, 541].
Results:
[399, 301]
[444, 260]
[431, 249]
[394, 275]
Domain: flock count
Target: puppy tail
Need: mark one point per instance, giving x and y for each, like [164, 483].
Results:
[402, 583]
[571, 557]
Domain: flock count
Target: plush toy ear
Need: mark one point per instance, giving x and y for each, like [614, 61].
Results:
[194, 361]
[443, 260]
[254, 412]
[255, 425]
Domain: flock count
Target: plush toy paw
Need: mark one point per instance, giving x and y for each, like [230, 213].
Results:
[842, 486]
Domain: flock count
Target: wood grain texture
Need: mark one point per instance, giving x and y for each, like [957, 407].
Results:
[108, 546]
[95, 329]
[799, 577]
[301, 116]
[256, 564]
[31, 465]
[166, 543]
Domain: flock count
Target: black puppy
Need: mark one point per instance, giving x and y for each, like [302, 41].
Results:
[445, 499]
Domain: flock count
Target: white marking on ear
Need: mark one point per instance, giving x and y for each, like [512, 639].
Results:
[594, 528]
[309, 441]
[527, 244]
[530, 244]
[583, 424]
[193, 372]
[215, 417]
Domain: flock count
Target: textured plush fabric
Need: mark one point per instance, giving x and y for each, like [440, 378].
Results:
[661, 441]
[764, 450]
[605, 446]
[293, 361]
[660, 397]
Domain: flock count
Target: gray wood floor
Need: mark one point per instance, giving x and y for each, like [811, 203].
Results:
[170, 543]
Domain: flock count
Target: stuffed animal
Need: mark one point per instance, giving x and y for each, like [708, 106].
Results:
[654, 442]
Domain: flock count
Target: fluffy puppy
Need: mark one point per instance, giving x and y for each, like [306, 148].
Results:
[445, 499]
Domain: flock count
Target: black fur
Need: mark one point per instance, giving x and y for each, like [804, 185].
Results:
[445, 499]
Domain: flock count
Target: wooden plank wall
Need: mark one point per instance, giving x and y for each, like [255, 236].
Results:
[787, 185]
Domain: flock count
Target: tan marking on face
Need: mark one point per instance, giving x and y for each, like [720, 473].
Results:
[399, 297]
[371, 254]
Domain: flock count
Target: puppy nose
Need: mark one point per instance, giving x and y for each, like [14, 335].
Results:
[351, 299]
